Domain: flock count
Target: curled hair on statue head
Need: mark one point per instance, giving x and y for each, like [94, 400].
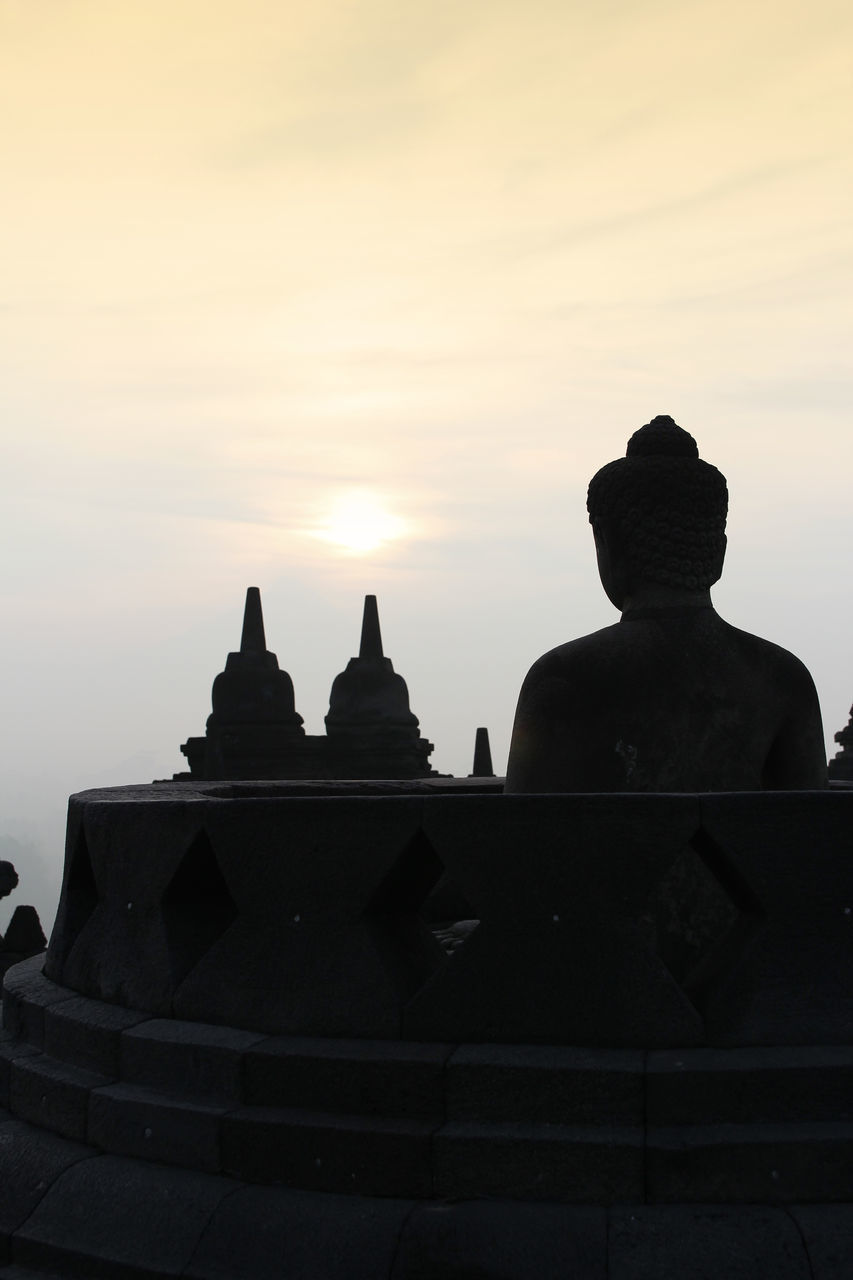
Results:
[662, 508]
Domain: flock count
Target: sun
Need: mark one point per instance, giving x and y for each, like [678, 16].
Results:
[359, 521]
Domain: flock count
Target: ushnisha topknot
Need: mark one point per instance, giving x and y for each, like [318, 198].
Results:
[663, 508]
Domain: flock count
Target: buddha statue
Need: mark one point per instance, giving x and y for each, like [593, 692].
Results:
[670, 698]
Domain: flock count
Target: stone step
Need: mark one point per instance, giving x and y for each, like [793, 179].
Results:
[430, 1120]
[750, 1163]
[465, 1082]
[381, 1155]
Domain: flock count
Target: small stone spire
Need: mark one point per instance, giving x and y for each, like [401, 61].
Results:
[841, 765]
[253, 639]
[371, 636]
[482, 756]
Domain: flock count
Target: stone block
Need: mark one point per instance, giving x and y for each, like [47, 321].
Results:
[560, 885]
[125, 846]
[87, 1033]
[146, 1220]
[189, 1057]
[327, 1152]
[827, 1231]
[26, 995]
[501, 1239]
[763, 1163]
[752, 1085]
[130, 1120]
[53, 1095]
[673, 1242]
[362, 1077]
[545, 1084]
[264, 1233]
[10, 1049]
[303, 889]
[793, 981]
[30, 1162]
[574, 1164]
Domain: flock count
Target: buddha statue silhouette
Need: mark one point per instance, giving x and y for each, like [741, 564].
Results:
[670, 698]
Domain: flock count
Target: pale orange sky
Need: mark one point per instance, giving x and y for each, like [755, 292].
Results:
[259, 258]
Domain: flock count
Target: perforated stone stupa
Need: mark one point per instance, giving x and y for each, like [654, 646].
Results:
[254, 730]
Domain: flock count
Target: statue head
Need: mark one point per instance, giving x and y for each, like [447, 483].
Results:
[659, 513]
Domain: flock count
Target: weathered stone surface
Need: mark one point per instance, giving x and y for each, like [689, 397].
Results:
[499, 1239]
[304, 895]
[189, 1057]
[589, 938]
[650, 1242]
[793, 981]
[127, 1119]
[10, 1049]
[30, 1162]
[135, 845]
[750, 1162]
[264, 1233]
[743, 1086]
[827, 1231]
[361, 1077]
[328, 1153]
[581, 1164]
[87, 1033]
[546, 1085]
[26, 995]
[559, 955]
[148, 1220]
[52, 1094]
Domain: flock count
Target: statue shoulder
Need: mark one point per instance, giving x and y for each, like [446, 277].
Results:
[779, 664]
[580, 657]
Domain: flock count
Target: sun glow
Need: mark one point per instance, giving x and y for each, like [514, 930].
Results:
[359, 521]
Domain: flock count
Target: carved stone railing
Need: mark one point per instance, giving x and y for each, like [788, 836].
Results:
[602, 920]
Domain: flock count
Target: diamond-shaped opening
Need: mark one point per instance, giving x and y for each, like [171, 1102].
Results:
[417, 916]
[81, 891]
[197, 907]
[698, 915]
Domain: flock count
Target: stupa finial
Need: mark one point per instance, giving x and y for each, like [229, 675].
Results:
[253, 639]
[482, 756]
[371, 636]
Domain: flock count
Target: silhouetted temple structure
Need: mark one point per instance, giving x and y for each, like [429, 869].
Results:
[255, 731]
[482, 767]
[24, 936]
[371, 731]
[430, 1029]
[841, 765]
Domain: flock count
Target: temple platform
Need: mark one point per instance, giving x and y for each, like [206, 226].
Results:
[250, 1050]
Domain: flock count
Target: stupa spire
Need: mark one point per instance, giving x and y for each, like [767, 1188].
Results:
[371, 636]
[482, 756]
[253, 639]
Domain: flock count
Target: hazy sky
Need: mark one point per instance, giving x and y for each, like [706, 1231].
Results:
[280, 280]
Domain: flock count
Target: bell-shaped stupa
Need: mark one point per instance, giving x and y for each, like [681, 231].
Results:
[254, 729]
[371, 730]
